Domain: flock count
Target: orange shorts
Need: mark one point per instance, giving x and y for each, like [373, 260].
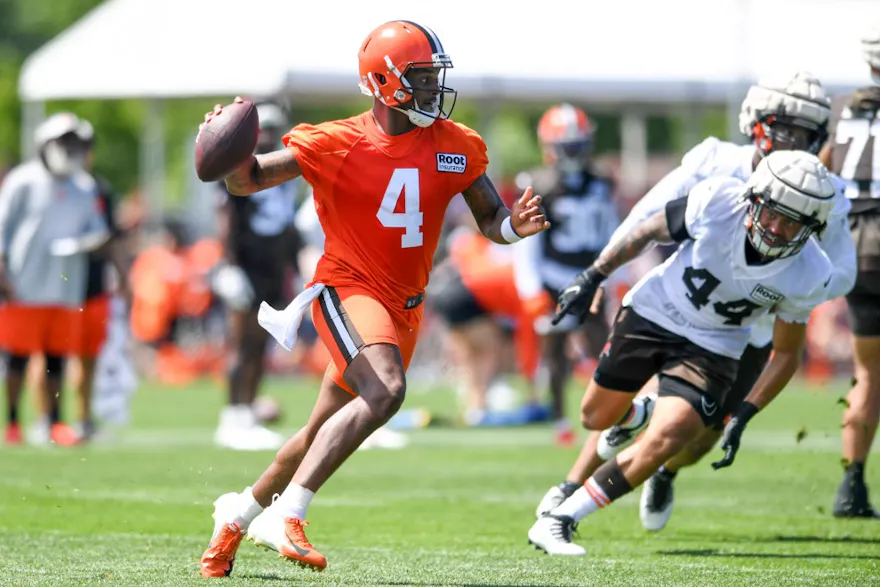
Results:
[50, 330]
[3, 327]
[350, 318]
[96, 317]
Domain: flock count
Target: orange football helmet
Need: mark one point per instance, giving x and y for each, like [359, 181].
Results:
[387, 56]
[566, 136]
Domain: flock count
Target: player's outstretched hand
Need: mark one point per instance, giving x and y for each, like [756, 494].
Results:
[577, 298]
[217, 110]
[733, 434]
[528, 216]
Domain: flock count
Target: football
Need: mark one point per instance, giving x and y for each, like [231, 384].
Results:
[227, 141]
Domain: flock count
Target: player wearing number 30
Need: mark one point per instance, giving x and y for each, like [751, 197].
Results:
[382, 181]
[746, 251]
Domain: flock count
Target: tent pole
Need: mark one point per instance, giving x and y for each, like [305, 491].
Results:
[152, 158]
[32, 114]
[633, 152]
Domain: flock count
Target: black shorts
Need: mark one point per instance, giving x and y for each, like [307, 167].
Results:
[637, 349]
[751, 365]
[265, 260]
[864, 299]
[450, 298]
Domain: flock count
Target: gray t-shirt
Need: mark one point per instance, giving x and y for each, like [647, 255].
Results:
[37, 209]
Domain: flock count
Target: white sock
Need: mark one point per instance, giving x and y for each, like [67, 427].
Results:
[582, 502]
[248, 509]
[294, 502]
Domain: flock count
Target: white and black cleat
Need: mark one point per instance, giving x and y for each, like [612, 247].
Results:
[658, 498]
[615, 439]
[553, 535]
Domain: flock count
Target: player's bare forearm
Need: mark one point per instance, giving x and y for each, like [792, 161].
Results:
[488, 209]
[788, 347]
[776, 375]
[653, 229]
[262, 172]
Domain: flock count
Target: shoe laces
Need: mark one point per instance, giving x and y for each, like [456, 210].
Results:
[225, 543]
[618, 435]
[296, 532]
[563, 528]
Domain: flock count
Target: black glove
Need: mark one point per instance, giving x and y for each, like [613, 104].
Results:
[733, 433]
[577, 297]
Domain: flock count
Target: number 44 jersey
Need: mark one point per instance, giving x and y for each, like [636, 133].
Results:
[708, 293]
[381, 199]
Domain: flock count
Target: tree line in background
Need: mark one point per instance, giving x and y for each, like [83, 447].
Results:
[26, 25]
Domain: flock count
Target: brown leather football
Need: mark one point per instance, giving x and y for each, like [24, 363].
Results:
[227, 141]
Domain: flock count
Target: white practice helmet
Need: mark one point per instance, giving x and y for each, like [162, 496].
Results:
[871, 46]
[800, 100]
[794, 184]
[60, 124]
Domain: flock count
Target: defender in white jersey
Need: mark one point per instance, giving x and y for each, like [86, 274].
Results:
[777, 115]
[746, 252]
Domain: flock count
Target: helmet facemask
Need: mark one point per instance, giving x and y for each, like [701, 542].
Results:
[414, 89]
[780, 132]
[420, 90]
[770, 244]
[569, 156]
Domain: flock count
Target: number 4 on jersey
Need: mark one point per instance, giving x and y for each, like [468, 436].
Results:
[403, 181]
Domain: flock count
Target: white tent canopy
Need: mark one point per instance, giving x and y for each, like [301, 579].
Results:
[635, 51]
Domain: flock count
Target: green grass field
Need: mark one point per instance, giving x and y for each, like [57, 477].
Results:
[451, 509]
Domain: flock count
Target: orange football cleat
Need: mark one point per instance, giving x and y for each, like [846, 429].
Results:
[220, 556]
[13, 434]
[299, 549]
[63, 435]
[286, 537]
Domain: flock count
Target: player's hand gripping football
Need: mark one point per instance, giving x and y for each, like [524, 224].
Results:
[733, 434]
[528, 216]
[217, 110]
[578, 297]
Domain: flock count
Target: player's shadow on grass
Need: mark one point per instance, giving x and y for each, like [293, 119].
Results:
[714, 552]
[824, 539]
[262, 576]
[427, 584]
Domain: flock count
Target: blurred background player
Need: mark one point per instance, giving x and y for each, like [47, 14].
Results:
[50, 217]
[582, 217]
[474, 292]
[259, 249]
[853, 153]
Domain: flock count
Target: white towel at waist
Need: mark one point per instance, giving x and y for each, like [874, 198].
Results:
[283, 324]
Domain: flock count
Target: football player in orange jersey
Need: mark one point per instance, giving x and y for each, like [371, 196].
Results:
[382, 181]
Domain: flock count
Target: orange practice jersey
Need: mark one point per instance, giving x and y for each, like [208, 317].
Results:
[381, 199]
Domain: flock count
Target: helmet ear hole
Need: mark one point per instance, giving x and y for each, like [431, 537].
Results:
[380, 79]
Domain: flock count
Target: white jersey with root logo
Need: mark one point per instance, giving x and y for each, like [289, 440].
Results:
[706, 291]
[716, 158]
